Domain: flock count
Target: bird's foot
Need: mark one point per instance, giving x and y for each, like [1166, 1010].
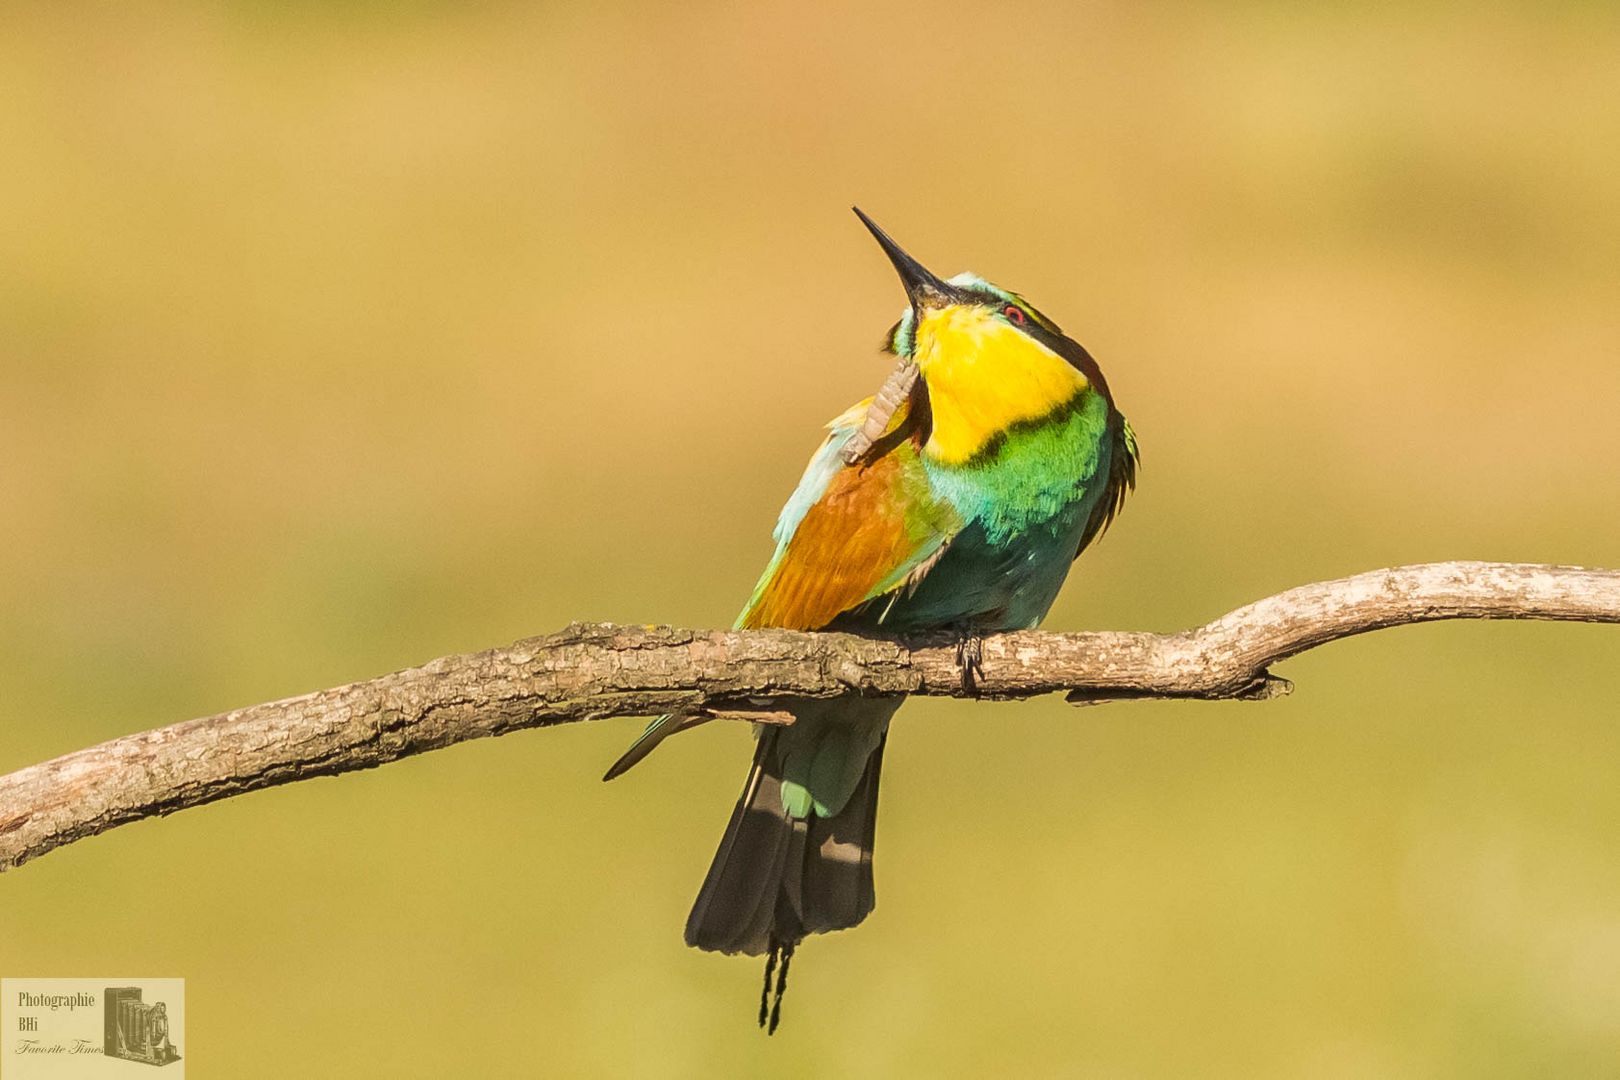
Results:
[970, 660]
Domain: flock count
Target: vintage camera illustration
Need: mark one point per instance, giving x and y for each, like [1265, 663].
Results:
[137, 1030]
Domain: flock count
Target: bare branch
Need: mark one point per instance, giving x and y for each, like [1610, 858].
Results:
[586, 672]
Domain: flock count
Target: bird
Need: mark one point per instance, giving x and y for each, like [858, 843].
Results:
[954, 500]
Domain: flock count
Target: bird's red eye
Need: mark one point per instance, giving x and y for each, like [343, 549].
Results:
[1014, 313]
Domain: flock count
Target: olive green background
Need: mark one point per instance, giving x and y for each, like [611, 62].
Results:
[335, 338]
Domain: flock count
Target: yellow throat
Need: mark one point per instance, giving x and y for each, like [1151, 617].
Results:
[983, 376]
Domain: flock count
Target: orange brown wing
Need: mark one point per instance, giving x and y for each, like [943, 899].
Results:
[851, 532]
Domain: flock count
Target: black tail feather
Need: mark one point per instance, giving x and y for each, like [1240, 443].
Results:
[781, 986]
[765, 994]
[777, 879]
[840, 892]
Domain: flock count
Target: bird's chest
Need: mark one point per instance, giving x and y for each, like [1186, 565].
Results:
[1025, 506]
[1035, 478]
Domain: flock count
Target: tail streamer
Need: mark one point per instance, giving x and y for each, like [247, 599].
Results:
[765, 994]
[781, 988]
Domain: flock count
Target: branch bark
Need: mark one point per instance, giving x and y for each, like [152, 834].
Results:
[591, 671]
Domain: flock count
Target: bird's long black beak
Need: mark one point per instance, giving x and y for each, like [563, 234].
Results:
[923, 289]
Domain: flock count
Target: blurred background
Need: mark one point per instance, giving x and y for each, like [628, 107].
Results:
[334, 338]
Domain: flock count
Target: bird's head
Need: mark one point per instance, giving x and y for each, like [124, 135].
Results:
[984, 350]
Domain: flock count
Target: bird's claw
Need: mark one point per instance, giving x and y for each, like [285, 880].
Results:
[970, 660]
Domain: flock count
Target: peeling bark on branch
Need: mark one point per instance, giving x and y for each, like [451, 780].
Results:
[591, 671]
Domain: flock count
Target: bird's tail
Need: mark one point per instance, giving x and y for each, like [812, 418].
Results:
[780, 876]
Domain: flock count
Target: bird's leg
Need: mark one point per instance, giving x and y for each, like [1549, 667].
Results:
[970, 659]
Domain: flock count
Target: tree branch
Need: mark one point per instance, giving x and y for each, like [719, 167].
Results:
[590, 671]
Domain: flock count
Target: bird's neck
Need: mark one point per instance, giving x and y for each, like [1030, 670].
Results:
[984, 376]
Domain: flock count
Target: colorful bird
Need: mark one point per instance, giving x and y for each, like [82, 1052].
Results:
[955, 500]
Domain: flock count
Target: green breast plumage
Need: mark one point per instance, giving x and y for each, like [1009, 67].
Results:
[1026, 500]
[1029, 479]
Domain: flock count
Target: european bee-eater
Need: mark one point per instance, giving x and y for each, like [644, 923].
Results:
[987, 463]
